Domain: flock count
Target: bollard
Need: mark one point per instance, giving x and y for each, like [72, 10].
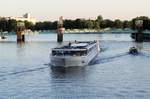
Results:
[60, 34]
[20, 36]
[60, 30]
[20, 32]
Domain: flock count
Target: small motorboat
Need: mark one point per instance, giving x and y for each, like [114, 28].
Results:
[133, 51]
[3, 37]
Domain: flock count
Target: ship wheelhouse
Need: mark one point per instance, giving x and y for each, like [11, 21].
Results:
[78, 49]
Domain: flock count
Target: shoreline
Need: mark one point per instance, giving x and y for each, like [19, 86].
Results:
[83, 31]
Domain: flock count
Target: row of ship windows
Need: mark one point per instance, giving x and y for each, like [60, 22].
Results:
[69, 53]
[73, 53]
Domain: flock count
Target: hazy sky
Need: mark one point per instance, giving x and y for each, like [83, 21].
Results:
[71, 9]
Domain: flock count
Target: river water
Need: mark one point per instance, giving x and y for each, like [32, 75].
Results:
[25, 72]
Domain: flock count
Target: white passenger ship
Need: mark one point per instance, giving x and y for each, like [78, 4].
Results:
[74, 54]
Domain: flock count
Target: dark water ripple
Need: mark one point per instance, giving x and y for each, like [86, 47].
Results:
[24, 71]
[100, 60]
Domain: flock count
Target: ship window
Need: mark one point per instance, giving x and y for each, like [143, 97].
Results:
[80, 53]
[57, 53]
[53, 53]
[69, 53]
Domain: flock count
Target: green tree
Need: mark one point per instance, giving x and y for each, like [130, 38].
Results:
[126, 24]
[99, 21]
[89, 24]
[12, 25]
[28, 25]
[146, 22]
[118, 23]
[3, 24]
[69, 24]
[107, 23]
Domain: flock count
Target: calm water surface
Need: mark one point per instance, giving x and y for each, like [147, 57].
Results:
[114, 74]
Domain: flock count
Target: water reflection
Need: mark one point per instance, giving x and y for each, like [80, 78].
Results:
[139, 46]
[67, 71]
[68, 82]
[20, 44]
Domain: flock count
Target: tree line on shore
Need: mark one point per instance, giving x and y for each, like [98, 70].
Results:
[98, 23]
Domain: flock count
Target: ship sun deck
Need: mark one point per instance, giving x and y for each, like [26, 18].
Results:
[75, 45]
